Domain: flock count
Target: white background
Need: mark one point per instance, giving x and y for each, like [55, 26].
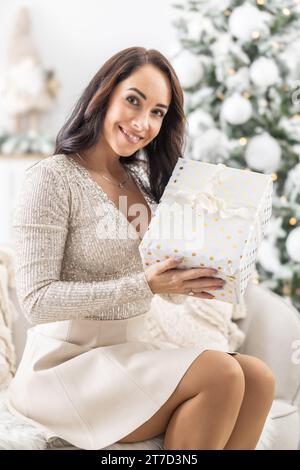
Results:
[75, 37]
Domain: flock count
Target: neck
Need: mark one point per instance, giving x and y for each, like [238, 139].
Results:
[93, 161]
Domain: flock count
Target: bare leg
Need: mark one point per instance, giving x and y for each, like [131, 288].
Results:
[211, 370]
[258, 397]
[207, 420]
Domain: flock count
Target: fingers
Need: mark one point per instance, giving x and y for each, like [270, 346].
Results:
[195, 273]
[185, 274]
[204, 295]
[170, 263]
[204, 283]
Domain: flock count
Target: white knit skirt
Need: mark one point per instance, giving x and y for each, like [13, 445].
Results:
[93, 382]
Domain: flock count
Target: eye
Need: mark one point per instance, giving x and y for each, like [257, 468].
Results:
[133, 100]
[162, 114]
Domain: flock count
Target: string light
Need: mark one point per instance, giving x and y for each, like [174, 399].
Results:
[286, 12]
[260, 2]
[263, 103]
[293, 221]
[255, 34]
[276, 45]
[231, 71]
[246, 94]
[283, 199]
[274, 176]
[220, 95]
[296, 117]
[286, 289]
[243, 140]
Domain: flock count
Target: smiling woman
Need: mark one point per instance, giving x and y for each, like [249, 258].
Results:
[87, 375]
[135, 116]
[133, 102]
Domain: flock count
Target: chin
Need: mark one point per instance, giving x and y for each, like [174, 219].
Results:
[127, 154]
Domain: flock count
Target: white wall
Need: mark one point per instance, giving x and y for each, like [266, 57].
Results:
[75, 37]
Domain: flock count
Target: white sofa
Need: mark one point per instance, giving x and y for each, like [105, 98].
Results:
[272, 330]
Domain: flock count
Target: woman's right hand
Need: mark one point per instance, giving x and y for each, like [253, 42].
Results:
[164, 278]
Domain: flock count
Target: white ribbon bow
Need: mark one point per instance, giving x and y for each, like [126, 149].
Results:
[206, 199]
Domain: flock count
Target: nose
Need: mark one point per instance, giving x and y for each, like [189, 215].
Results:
[141, 123]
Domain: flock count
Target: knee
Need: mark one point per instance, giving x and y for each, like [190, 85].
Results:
[227, 374]
[231, 374]
[259, 377]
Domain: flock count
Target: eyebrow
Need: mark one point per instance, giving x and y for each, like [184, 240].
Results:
[139, 92]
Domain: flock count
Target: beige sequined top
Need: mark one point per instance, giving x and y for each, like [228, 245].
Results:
[69, 264]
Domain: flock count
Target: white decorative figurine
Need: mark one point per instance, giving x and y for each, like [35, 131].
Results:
[30, 89]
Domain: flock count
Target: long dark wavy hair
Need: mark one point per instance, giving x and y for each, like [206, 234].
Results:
[82, 129]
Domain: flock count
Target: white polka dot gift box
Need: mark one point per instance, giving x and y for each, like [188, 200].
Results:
[213, 216]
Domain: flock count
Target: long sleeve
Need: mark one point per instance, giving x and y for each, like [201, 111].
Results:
[40, 232]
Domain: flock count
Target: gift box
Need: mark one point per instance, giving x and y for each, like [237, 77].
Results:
[212, 216]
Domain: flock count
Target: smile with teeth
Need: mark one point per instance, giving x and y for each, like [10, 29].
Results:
[131, 138]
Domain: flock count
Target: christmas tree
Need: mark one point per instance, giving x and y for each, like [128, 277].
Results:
[238, 64]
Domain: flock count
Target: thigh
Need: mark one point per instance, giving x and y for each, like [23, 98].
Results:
[158, 423]
[202, 372]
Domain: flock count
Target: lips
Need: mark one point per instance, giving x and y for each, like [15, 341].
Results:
[133, 139]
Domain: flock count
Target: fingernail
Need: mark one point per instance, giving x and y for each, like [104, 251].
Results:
[178, 259]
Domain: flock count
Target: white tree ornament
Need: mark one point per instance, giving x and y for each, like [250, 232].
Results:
[264, 72]
[236, 109]
[245, 20]
[188, 68]
[263, 153]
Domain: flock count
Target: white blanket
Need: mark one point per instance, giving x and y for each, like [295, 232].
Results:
[207, 323]
[7, 316]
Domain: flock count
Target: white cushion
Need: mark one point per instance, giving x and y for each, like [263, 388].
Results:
[282, 431]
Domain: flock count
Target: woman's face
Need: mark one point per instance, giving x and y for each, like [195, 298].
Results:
[136, 110]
